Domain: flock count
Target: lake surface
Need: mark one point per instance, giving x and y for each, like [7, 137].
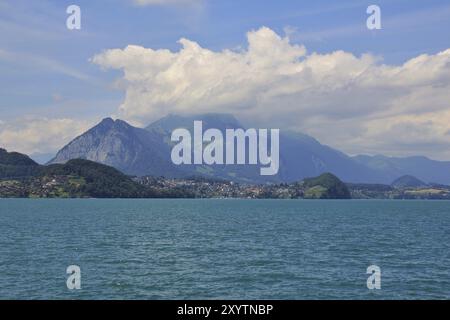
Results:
[224, 249]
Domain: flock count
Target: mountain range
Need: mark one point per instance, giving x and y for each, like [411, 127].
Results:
[146, 151]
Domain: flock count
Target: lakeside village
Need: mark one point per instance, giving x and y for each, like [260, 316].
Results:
[325, 186]
[21, 177]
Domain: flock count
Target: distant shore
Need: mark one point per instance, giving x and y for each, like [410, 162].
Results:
[67, 187]
[21, 177]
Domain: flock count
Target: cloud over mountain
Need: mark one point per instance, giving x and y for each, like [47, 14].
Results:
[354, 103]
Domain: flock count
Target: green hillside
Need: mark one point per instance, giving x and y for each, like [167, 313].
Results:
[13, 164]
[325, 186]
[22, 177]
[87, 178]
[15, 159]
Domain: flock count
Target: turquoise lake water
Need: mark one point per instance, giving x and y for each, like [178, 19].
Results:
[224, 249]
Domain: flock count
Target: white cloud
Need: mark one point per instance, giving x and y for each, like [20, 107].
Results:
[197, 79]
[353, 103]
[39, 135]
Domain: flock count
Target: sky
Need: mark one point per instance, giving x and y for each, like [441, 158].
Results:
[310, 66]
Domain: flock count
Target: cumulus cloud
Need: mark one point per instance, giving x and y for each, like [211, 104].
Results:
[351, 102]
[39, 135]
[197, 79]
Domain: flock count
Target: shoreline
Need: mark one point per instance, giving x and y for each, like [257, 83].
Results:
[228, 199]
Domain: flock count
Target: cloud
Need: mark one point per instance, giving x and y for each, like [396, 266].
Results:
[197, 79]
[351, 102]
[39, 135]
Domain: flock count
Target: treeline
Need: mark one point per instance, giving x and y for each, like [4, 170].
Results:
[16, 165]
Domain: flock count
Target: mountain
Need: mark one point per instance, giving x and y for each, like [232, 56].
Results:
[408, 182]
[131, 150]
[210, 120]
[427, 170]
[300, 155]
[143, 152]
[13, 164]
[241, 173]
[303, 156]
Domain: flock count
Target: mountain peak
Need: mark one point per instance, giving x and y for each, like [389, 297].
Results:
[110, 124]
[218, 116]
[106, 121]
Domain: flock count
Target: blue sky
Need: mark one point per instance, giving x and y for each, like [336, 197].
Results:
[46, 72]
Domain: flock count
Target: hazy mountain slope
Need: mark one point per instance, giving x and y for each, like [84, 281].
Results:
[242, 173]
[427, 170]
[408, 182]
[301, 156]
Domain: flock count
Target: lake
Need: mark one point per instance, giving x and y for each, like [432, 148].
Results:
[224, 249]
